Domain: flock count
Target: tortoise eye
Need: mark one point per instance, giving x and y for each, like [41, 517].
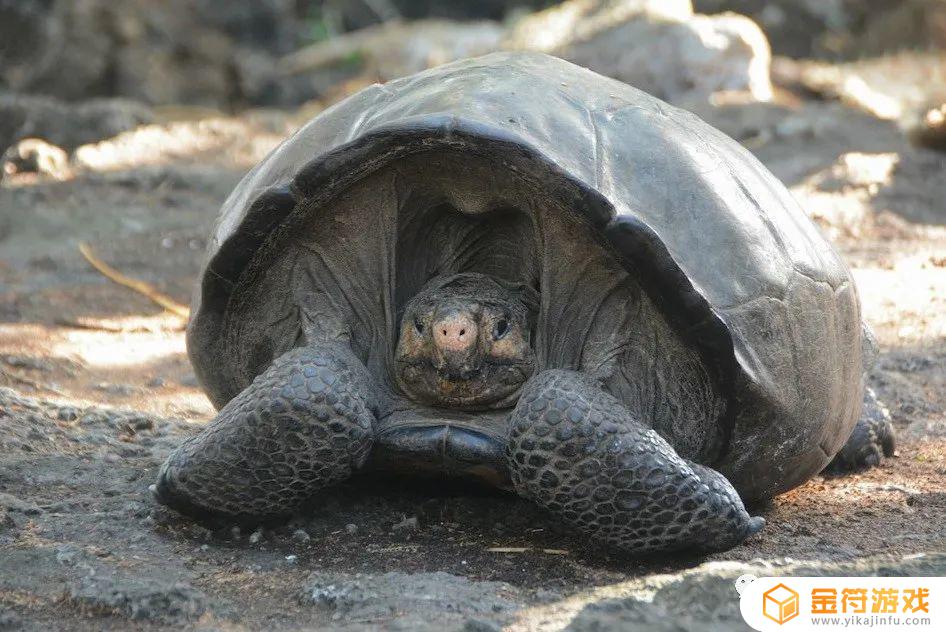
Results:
[419, 326]
[502, 328]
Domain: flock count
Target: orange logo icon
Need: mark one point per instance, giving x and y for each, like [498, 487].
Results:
[780, 603]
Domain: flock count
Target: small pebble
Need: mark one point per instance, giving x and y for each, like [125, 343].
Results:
[256, 536]
[68, 554]
[480, 625]
[300, 535]
[351, 529]
[406, 523]
[10, 621]
[115, 389]
[292, 559]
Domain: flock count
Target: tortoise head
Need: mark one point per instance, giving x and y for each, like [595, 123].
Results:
[466, 342]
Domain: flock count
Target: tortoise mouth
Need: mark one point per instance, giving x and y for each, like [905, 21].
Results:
[488, 386]
[457, 376]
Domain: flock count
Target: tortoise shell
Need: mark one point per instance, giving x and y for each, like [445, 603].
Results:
[382, 191]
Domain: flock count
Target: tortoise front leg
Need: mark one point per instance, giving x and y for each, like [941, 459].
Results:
[576, 450]
[305, 423]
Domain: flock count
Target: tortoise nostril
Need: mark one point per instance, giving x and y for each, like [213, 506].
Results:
[455, 332]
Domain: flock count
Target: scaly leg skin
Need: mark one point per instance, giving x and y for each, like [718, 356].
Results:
[872, 439]
[304, 424]
[576, 450]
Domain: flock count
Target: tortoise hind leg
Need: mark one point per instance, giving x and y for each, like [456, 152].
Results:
[303, 424]
[577, 451]
[873, 438]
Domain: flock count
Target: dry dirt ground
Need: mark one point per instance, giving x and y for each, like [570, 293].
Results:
[95, 389]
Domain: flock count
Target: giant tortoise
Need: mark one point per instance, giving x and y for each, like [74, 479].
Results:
[513, 269]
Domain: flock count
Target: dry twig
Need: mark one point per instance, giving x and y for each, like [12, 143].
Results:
[145, 289]
[525, 549]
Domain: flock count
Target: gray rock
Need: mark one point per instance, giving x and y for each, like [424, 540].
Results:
[115, 389]
[657, 46]
[696, 602]
[705, 598]
[68, 413]
[796, 29]
[842, 28]
[139, 598]
[66, 125]
[14, 504]
[9, 620]
[924, 429]
[480, 625]
[69, 555]
[217, 53]
[396, 49]
[376, 597]
[7, 523]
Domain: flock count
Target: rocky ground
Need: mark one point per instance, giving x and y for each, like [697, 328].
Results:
[95, 389]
